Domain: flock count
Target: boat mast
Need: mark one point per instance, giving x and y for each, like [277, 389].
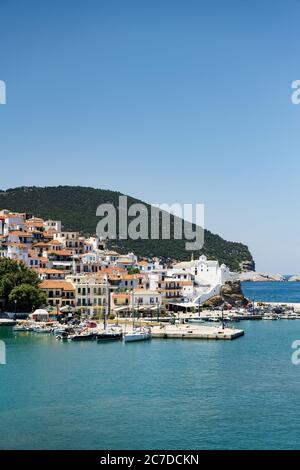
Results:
[132, 303]
[106, 303]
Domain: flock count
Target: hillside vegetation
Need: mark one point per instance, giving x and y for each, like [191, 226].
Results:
[76, 207]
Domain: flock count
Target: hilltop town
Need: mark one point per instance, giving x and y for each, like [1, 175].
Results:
[77, 272]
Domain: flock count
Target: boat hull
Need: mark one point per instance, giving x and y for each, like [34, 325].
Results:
[102, 337]
[137, 337]
[84, 337]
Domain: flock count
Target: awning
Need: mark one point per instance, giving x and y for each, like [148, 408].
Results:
[118, 309]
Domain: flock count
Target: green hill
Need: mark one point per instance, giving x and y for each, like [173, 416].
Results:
[76, 207]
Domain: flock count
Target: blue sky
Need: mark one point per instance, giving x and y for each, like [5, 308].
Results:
[168, 101]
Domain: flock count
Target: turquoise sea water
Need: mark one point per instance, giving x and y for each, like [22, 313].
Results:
[272, 291]
[162, 394]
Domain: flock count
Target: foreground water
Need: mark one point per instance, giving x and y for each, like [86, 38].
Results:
[162, 394]
[272, 291]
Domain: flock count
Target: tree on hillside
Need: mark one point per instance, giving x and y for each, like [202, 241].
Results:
[132, 270]
[14, 275]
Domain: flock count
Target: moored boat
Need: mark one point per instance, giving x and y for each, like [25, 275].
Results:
[22, 328]
[62, 336]
[43, 329]
[138, 335]
[85, 336]
[109, 336]
[195, 320]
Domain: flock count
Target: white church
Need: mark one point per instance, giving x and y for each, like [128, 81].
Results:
[208, 277]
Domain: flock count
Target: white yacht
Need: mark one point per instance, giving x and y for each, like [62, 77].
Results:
[269, 316]
[43, 329]
[137, 335]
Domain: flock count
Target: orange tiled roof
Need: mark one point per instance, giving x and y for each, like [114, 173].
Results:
[117, 296]
[64, 285]
[112, 269]
[49, 233]
[19, 233]
[50, 271]
[20, 245]
[61, 252]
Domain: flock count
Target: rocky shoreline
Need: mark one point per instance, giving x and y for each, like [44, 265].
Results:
[231, 293]
[295, 278]
[253, 276]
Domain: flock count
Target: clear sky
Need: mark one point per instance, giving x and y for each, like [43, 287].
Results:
[166, 100]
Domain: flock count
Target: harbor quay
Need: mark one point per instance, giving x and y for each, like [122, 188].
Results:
[77, 282]
[126, 330]
[195, 332]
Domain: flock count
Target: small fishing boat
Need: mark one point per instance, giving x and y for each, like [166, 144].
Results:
[214, 319]
[269, 317]
[43, 329]
[22, 328]
[196, 320]
[64, 335]
[59, 331]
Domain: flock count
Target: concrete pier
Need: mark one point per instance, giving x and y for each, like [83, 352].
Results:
[195, 332]
[7, 322]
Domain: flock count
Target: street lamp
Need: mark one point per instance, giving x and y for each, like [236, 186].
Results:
[222, 316]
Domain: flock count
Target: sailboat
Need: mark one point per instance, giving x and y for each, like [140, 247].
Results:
[108, 335]
[137, 334]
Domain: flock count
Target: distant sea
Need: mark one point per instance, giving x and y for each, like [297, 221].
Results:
[272, 291]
